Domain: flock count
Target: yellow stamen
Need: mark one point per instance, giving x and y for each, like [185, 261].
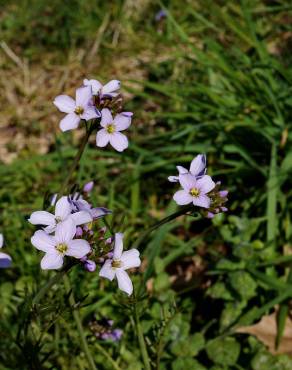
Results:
[62, 247]
[195, 192]
[111, 128]
[116, 264]
[79, 110]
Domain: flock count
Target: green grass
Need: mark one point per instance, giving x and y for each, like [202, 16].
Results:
[219, 83]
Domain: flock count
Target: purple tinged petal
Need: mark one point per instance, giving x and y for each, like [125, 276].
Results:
[198, 165]
[102, 138]
[65, 103]
[42, 218]
[224, 209]
[182, 197]
[119, 141]
[118, 249]
[78, 248]
[187, 181]
[5, 260]
[111, 87]
[87, 188]
[90, 265]
[63, 208]
[81, 217]
[202, 201]
[1, 240]
[106, 117]
[117, 334]
[99, 212]
[65, 231]
[223, 193]
[182, 170]
[42, 241]
[210, 215]
[173, 178]
[130, 259]
[122, 122]
[69, 122]
[95, 85]
[79, 231]
[90, 113]
[124, 282]
[127, 114]
[205, 184]
[107, 271]
[52, 261]
[53, 200]
[83, 96]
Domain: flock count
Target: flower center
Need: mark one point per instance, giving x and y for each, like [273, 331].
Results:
[116, 264]
[79, 110]
[61, 248]
[111, 128]
[195, 192]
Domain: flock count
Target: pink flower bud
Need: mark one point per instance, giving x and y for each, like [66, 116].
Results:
[223, 193]
[88, 187]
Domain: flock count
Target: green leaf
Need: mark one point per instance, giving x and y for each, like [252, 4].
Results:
[223, 351]
[187, 363]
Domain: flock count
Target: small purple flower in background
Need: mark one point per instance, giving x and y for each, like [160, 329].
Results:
[59, 245]
[109, 89]
[103, 329]
[87, 188]
[110, 133]
[5, 259]
[194, 190]
[63, 211]
[120, 262]
[197, 168]
[160, 15]
[82, 108]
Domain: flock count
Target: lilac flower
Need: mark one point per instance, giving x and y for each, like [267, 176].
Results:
[87, 188]
[59, 245]
[5, 259]
[82, 205]
[110, 133]
[81, 108]
[194, 190]
[160, 15]
[109, 89]
[63, 211]
[120, 262]
[197, 168]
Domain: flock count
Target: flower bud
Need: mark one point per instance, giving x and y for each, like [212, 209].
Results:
[88, 187]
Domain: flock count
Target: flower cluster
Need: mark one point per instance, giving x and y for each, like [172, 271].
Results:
[5, 259]
[103, 330]
[199, 188]
[94, 101]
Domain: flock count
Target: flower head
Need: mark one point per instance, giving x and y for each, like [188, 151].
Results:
[5, 259]
[109, 89]
[194, 190]
[63, 211]
[197, 168]
[59, 245]
[121, 261]
[110, 133]
[81, 108]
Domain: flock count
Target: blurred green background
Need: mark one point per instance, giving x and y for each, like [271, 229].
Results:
[204, 76]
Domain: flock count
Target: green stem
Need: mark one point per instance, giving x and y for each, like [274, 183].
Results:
[78, 322]
[104, 352]
[141, 340]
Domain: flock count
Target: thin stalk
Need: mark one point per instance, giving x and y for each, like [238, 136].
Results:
[141, 340]
[104, 352]
[78, 322]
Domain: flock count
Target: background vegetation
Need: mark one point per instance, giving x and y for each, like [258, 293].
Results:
[210, 77]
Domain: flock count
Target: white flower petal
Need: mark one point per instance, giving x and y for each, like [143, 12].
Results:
[69, 122]
[65, 103]
[111, 87]
[173, 178]
[42, 218]
[182, 170]
[65, 231]
[182, 197]
[78, 248]
[187, 181]
[122, 122]
[106, 117]
[202, 201]
[118, 249]
[95, 85]
[82, 217]
[83, 96]
[1, 240]
[52, 261]
[130, 259]
[42, 241]
[119, 141]
[90, 113]
[102, 138]
[198, 165]
[5, 260]
[107, 271]
[205, 184]
[63, 208]
[124, 282]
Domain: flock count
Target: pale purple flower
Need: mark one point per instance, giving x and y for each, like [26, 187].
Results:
[63, 211]
[109, 89]
[110, 133]
[96, 212]
[197, 168]
[223, 193]
[5, 259]
[81, 108]
[120, 262]
[87, 188]
[194, 190]
[160, 15]
[60, 245]
[90, 265]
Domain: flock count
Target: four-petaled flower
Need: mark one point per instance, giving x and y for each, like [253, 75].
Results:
[63, 211]
[109, 89]
[60, 245]
[82, 108]
[194, 190]
[197, 168]
[110, 133]
[5, 259]
[121, 261]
